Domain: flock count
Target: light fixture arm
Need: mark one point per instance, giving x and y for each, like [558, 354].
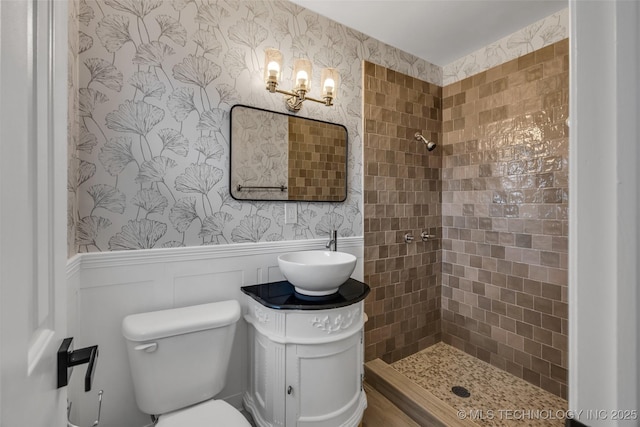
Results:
[296, 98]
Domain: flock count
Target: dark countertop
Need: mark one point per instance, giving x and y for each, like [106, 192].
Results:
[282, 296]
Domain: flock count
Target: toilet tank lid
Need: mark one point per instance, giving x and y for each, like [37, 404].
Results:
[177, 321]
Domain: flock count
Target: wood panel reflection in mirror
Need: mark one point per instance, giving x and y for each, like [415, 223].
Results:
[276, 156]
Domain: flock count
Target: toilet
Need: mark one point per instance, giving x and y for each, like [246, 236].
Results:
[179, 359]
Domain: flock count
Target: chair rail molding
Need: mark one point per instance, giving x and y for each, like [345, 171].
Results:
[192, 253]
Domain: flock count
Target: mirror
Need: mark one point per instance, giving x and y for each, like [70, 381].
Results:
[276, 156]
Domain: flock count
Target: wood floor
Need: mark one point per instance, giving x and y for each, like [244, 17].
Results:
[381, 412]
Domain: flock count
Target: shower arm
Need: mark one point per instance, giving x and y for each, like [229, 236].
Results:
[430, 144]
[419, 137]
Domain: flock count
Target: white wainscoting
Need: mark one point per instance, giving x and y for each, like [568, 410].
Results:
[105, 287]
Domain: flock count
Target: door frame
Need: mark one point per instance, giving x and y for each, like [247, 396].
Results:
[33, 133]
[604, 214]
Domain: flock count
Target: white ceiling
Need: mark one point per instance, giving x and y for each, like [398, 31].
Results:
[439, 31]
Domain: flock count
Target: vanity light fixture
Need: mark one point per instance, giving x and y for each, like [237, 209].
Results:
[302, 80]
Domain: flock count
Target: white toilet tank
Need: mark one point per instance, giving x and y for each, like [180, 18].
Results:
[179, 357]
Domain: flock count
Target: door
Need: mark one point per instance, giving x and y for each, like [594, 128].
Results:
[325, 380]
[33, 146]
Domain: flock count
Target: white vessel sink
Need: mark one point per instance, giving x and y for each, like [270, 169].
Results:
[317, 273]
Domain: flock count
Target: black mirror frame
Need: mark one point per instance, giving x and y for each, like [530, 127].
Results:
[346, 183]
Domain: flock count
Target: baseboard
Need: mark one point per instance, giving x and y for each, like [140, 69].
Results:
[234, 400]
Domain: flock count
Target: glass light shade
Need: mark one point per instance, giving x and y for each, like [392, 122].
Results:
[302, 74]
[272, 65]
[330, 79]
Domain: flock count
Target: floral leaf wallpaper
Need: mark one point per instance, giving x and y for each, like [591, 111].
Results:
[79, 232]
[535, 36]
[151, 85]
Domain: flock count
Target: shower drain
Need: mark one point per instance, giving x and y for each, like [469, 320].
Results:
[460, 391]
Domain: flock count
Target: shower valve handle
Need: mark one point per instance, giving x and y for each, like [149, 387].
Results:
[426, 236]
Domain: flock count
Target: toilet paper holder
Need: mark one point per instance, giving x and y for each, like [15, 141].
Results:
[96, 422]
[68, 358]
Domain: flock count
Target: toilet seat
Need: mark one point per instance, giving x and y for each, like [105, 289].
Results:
[211, 413]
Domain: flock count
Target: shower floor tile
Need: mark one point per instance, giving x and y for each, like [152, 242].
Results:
[497, 397]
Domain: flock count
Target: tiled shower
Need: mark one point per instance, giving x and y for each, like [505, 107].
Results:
[402, 195]
[494, 192]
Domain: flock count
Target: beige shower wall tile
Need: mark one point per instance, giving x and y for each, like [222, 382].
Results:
[402, 188]
[506, 169]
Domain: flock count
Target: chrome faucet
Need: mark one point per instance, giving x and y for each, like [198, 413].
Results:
[332, 244]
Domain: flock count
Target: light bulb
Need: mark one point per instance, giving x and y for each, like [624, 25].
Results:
[330, 81]
[302, 78]
[273, 68]
[329, 85]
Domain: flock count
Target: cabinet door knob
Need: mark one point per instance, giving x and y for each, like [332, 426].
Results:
[289, 390]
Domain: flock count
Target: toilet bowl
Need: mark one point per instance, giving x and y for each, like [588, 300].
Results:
[209, 413]
[179, 359]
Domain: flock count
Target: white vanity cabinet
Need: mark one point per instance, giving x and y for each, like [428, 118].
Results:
[306, 365]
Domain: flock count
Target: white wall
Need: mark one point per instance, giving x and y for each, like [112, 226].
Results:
[105, 287]
[604, 213]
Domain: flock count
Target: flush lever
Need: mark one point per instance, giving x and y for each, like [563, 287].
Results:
[68, 358]
[148, 348]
